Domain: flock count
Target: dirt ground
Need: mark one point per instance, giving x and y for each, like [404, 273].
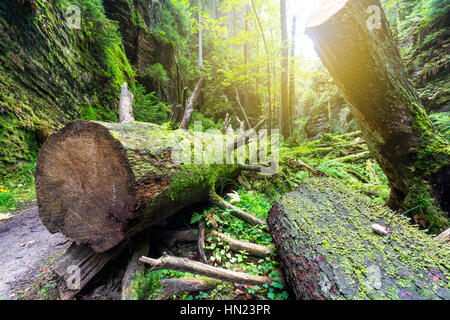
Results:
[26, 247]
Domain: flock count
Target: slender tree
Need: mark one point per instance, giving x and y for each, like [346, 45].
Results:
[292, 76]
[266, 47]
[200, 36]
[285, 121]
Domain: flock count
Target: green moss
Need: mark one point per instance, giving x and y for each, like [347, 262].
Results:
[327, 219]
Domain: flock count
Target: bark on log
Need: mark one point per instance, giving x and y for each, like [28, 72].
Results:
[365, 63]
[189, 109]
[78, 265]
[323, 235]
[99, 183]
[195, 267]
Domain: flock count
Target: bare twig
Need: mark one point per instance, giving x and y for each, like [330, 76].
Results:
[201, 241]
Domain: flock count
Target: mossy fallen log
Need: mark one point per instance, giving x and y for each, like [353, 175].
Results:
[100, 183]
[323, 235]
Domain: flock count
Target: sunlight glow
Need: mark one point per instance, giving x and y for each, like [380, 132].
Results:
[302, 10]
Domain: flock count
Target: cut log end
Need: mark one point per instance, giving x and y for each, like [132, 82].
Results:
[324, 12]
[86, 172]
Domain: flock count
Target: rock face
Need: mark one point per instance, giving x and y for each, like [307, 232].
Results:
[46, 77]
[143, 47]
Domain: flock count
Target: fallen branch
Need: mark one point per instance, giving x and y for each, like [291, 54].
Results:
[201, 241]
[172, 287]
[238, 245]
[315, 172]
[353, 157]
[238, 213]
[444, 237]
[195, 267]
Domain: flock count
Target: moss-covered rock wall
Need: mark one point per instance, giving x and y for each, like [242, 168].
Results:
[50, 74]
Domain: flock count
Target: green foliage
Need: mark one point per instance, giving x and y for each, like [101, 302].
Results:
[17, 188]
[102, 36]
[442, 122]
[148, 108]
[157, 73]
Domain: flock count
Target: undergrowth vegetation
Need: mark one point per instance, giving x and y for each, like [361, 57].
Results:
[343, 157]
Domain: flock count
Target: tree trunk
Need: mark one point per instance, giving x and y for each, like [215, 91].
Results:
[189, 109]
[292, 78]
[200, 37]
[99, 183]
[323, 235]
[285, 121]
[364, 61]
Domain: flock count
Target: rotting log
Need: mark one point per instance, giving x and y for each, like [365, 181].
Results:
[78, 265]
[328, 250]
[100, 183]
[364, 61]
[195, 267]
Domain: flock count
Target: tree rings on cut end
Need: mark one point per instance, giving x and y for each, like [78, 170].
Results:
[85, 186]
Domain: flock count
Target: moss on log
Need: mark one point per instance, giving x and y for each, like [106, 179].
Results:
[99, 183]
[365, 63]
[323, 234]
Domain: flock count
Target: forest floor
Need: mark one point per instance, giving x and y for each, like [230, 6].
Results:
[26, 250]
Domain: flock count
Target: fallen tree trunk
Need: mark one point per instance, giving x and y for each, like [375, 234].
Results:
[195, 267]
[100, 183]
[323, 235]
[365, 63]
